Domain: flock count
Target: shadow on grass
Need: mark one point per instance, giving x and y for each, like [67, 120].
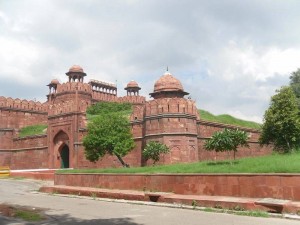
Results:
[219, 163]
[68, 220]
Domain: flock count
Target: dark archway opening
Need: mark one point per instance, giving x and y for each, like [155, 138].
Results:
[64, 157]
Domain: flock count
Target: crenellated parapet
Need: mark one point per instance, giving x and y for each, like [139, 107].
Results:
[134, 99]
[73, 86]
[103, 96]
[25, 105]
[171, 106]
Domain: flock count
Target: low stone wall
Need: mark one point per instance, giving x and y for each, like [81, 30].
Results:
[279, 186]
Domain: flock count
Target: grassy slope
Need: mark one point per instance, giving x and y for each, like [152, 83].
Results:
[104, 108]
[32, 130]
[276, 163]
[227, 119]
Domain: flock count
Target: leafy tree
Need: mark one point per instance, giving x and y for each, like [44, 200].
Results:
[227, 140]
[295, 85]
[281, 125]
[110, 134]
[153, 150]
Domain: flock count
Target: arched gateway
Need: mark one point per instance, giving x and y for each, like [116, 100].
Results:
[64, 156]
[61, 150]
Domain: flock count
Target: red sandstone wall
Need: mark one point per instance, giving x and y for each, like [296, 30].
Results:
[12, 118]
[254, 150]
[6, 137]
[29, 159]
[206, 130]
[280, 186]
[103, 96]
[171, 105]
[5, 158]
[16, 113]
[72, 86]
[35, 141]
[26, 153]
[134, 99]
[22, 104]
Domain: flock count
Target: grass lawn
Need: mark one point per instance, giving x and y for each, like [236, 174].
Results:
[32, 130]
[227, 119]
[275, 163]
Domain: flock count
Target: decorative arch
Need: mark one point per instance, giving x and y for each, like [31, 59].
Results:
[61, 136]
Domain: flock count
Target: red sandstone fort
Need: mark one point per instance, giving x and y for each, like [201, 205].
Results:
[169, 118]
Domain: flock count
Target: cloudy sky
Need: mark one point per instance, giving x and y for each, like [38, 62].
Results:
[230, 55]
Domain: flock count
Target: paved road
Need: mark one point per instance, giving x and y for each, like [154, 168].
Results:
[88, 211]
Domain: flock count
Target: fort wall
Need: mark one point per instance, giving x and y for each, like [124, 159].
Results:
[16, 113]
[206, 130]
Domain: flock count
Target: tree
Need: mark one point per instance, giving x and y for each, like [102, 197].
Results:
[110, 134]
[295, 85]
[227, 140]
[281, 125]
[153, 150]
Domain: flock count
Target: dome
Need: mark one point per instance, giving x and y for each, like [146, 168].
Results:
[167, 83]
[54, 81]
[168, 86]
[132, 84]
[76, 68]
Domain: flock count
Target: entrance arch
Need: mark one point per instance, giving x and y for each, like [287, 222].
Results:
[62, 153]
[64, 157]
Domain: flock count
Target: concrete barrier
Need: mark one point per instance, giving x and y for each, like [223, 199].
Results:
[4, 171]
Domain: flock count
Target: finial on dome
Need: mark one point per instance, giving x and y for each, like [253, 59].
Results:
[167, 71]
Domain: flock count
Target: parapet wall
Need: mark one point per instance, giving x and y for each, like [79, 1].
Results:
[171, 105]
[134, 99]
[16, 113]
[73, 86]
[68, 106]
[279, 186]
[10, 103]
[103, 96]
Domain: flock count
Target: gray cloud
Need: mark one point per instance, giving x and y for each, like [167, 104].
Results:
[230, 55]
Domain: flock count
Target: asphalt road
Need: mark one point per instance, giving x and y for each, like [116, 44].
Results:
[88, 211]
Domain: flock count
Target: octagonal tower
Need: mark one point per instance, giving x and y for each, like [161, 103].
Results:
[172, 119]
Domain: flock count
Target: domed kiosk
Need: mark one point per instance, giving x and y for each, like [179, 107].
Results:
[132, 88]
[167, 86]
[76, 73]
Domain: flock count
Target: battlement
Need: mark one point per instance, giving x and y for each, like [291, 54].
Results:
[134, 99]
[103, 96]
[23, 104]
[73, 86]
[171, 105]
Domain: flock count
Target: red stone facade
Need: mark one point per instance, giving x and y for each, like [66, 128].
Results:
[169, 118]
